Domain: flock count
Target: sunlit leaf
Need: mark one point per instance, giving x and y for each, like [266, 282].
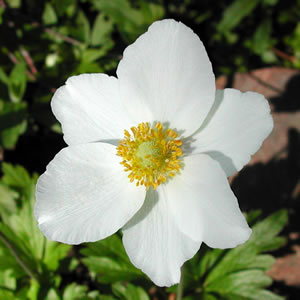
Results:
[7, 285]
[129, 292]
[102, 30]
[131, 21]
[17, 82]
[74, 292]
[7, 199]
[15, 176]
[81, 29]
[38, 291]
[14, 3]
[21, 228]
[49, 15]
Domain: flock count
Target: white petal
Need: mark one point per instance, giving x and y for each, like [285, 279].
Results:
[85, 195]
[89, 108]
[204, 205]
[166, 76]
[235, 128]
[155, 244]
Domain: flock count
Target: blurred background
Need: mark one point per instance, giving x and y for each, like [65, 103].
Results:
[253, 45]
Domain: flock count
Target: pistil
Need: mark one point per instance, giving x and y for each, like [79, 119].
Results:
[150, 155]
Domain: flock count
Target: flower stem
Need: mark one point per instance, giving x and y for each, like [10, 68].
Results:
[179, 292]
[18, 258]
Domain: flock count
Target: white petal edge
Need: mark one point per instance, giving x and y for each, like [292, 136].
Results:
[166, 76]
[154, 243]
[89, 108]
[85, 195]
[235, 128]
[204, 206]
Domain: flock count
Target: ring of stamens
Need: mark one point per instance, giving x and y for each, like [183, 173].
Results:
[150, 155]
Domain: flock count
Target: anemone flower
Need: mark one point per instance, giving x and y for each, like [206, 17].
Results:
[150, 152]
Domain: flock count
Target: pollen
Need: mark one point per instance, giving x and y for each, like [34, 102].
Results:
[150, 155]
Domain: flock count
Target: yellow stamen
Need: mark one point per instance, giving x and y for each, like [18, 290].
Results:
[150, 155]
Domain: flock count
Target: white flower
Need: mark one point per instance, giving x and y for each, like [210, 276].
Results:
[165, 180]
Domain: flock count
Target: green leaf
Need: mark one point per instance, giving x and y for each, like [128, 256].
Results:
[3, 77]
[117, 10]
[88, 62]
[17, 82]
[7, 261]
[129, 292]
[131, 22]
[49, 14]
[264, 262]
[110, 247]
[235, 13]
[74, 292]
[102, 30]
[15, 176]
[21, 227]
[7, 200]
[239, 282]
[64, 7]
[238, 273]
[54, 252]
[207, 296]
[264, 232]
[209, 260]
[14, 3]
[7, 285]
[253, 216]
[108, 259]
[261, 43]
[25, 225]
[261, 38]
[263, 239]
[270, 2]
[1, 13]
[38, 291]
[123, 15]
[91, 55]
[151, 12]
[81, 30]
[246, 284]
[13, 123]
[107, 297]
[108, 271]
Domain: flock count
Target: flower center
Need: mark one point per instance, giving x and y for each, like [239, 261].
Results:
[150, 155]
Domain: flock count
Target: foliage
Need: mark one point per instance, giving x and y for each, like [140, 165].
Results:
[44, 43]
[33, 267]
[243, 35]
[238, 273]
[109, 262]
